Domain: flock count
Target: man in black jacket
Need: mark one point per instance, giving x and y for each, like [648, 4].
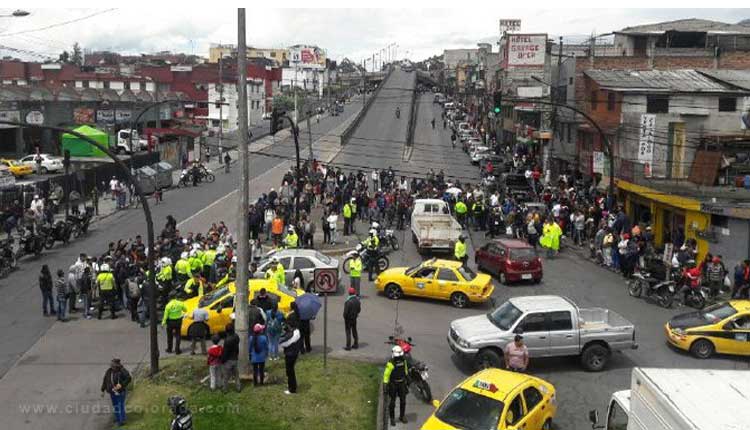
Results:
[115, 382]
[352, 308]
[229, 358]
[255, 312]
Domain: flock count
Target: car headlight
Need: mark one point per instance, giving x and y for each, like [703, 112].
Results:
[678, 331]
[463, 343]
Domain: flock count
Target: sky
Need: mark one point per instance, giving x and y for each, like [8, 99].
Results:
[352, 33]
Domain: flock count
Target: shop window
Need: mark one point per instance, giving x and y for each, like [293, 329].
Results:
[720, 221]
[657, 104]
[727, 104]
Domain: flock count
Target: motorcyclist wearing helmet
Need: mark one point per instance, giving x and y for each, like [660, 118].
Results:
[183, 419]
[291, 240]
[395, 383]
[372, 243]
[105, 280]
[182, 267]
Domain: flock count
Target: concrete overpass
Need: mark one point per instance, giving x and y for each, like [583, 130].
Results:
[372, 78]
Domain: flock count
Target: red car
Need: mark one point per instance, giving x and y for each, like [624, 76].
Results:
[511, 260]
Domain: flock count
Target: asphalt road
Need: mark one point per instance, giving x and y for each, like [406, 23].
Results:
[22, 323]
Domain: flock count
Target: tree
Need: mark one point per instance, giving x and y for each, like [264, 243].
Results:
[77, 56]
[64, 57]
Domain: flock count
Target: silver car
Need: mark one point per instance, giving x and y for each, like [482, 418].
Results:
[306, 260]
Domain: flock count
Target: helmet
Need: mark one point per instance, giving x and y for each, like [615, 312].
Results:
[184, 255]
[396, 351]
[104, 268]
[221, 249]
[353, 200]
[374, 225]
[234, 259]
[373, 232]
[193, 253]
[177, 405]
[166, 261]
[461, 237]
[274, 260]
[290, 229]
[196, 246]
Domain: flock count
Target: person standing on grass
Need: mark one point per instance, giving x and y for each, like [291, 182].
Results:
[273, 331]
[258, 353]
[215, 352]
[200, 315]
[290, 343]
[115, 383]
[229, 358]
[352, 309]
[45, 285]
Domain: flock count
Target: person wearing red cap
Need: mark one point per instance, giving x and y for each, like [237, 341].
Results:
[258, 353]
[351, 312]
[714, 275]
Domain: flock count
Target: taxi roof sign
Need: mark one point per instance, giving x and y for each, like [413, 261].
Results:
[486, 386]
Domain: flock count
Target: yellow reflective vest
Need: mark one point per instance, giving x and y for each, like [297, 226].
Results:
[165, 274]
[174, 310]
[347, 211]
[106, 281]
[459, 251]
[291, 240]
[182, 267]
[190, 284]
[355, 267]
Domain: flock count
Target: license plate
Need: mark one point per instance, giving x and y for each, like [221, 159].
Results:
[526, 276]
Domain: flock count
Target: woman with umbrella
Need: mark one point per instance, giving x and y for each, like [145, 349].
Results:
[307, 307]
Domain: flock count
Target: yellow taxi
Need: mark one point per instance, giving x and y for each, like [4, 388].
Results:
[496, 399]
[436, 279]
[220, 305]
[722, 328]
[16, 168]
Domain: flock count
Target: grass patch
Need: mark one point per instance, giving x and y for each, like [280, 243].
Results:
[345, 396]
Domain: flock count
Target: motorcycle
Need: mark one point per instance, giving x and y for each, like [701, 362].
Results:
[185, 179]
[8, 261]
[382, 261]
[59, 231]
[417, 371]
[696, 296]
[388, 238]
[205, 175]
[80, 223]
[30, 243]
[661, 291]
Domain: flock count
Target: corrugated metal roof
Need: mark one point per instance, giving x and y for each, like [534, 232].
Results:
[681, 81]
[688, 25]
[738, 78]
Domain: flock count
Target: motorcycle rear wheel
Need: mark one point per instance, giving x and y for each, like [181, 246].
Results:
[423, 390]
[635, 288]
[394, 243]
[346, 265]
[210, 178]
[665, 300]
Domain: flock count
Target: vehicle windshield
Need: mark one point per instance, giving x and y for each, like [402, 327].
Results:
[467, 410]
[212, 296]
[505, 316]
[718, 312]
[323, 258]
[522, 254]
[287, 291]
[467, 273]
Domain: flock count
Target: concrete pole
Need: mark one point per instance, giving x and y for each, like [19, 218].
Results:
[221, 101]
[241, 317]
[309, 136]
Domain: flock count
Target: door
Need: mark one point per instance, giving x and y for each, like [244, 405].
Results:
[421, 282]
[481, 258]
[535, 407]
[533, 327]
[306, 266]
[499, 259]
[515, 416]
[735, 338]
[562, 337]
[218, 319]
[445, 284]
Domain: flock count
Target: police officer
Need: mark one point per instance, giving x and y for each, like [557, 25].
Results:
[459, 250]
[477, 210]
[394, 379]
[165, 277]
[173, 313]
[461, 210]
[209, 256]
[182, 267]
[105, 280]
[279, 274]
[291, 240]
[230, 275]
[355, 272]
[196, 264]
[194, 286]
[349, 216]
[183, 419]
[371, 245]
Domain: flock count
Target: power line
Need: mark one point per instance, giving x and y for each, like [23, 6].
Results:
[59, 24]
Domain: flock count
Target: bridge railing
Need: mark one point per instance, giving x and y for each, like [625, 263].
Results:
[353, 126]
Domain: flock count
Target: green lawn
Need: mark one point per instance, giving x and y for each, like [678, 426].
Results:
[343, 397]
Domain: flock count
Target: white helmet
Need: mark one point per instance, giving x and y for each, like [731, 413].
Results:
[184, 255]
[374, 225]
[221, 249]
[290, 229]
[396, 351]
[165, 261]
[196, 246]
[274, 260]
[373, 231]
[193, 253]
[234, 259]
[104, 268]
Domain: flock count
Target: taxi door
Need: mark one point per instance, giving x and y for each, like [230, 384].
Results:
[421, 282]
[219, 314]
[734, 337]
[446, 282]
[515, 416]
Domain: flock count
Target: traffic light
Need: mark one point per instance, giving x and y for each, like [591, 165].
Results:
[497, 102]
[277, 120]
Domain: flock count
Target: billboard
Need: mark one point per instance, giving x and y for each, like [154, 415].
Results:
[307, 56]
[525, 50]
[83, 116]
[509, 26]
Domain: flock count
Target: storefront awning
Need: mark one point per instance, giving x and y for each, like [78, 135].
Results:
[659, 196]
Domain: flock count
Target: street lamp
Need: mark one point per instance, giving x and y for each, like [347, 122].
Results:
[18, 13]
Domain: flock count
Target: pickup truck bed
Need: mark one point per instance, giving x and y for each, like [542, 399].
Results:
[607, 325]
[438, 231]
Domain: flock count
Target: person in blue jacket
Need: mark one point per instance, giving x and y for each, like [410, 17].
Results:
[258, 353]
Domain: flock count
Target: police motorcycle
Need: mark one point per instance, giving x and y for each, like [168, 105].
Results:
[186, 178]
[382, 262]
[80, 223]
[386, 236]
[417, 371]
[30, 243]
[59, 231]
[654, 285]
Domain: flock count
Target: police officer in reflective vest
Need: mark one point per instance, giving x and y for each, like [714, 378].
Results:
[182, 267]
[349, 216]
[461, 210]
[291, 240]
[394, 379]
[194, 286]
[371, 244]
[105, 280]
[355, 272]
[173, 313]
[164, 277]
[459, 250]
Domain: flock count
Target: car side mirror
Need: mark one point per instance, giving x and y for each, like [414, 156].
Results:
[219, 309]
[594, 417]
[436, 404]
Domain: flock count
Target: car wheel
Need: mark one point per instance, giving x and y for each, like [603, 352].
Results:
[503, 278]
[487, 359]
[393, 292]
[702, 348]
[459, 300]
[44, 170]
[594, 357]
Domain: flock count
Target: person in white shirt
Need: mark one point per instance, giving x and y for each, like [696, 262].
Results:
[332, 220]
[494, 199]
[374, 177]
[37, 206]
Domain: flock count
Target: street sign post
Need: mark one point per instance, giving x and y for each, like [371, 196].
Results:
[326, 281]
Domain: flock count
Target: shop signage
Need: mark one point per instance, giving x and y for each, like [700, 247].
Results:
[35, 117]
[646, 139]
[525, 50]
[9, 115]
[509, 25]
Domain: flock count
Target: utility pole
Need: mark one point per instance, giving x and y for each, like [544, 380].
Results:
[241, 287]
[295, 94]
[364, 89]
[221, 101]
[309, 136]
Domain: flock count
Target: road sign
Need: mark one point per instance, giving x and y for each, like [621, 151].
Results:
[326, 280]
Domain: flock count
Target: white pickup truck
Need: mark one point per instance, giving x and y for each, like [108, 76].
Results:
[680, 399]
[433, 228]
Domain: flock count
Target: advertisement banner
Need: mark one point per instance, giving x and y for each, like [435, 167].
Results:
[9, 115]
[124, 115]
[525, 50]
[107, 116]
[509, 25]
[35, 117]
[646, 139]
[598, 162]
[83, 116]
[307, 56]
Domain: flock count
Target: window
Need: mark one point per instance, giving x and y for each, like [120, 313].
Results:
[106, 84]
[515, 411]
[533, 397]
[570, 81]
[719, 221]
[227, 303]
[533, 323]
[447, 275]
[467, 273]
[285, 261]
[560, 321]
[464, 409]
[303, 263]
[426, 272]
[504, 315]
[618, 418]
[610, 101]
[593, 100]
[727, 104]
[126, 85]
[657, 104]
